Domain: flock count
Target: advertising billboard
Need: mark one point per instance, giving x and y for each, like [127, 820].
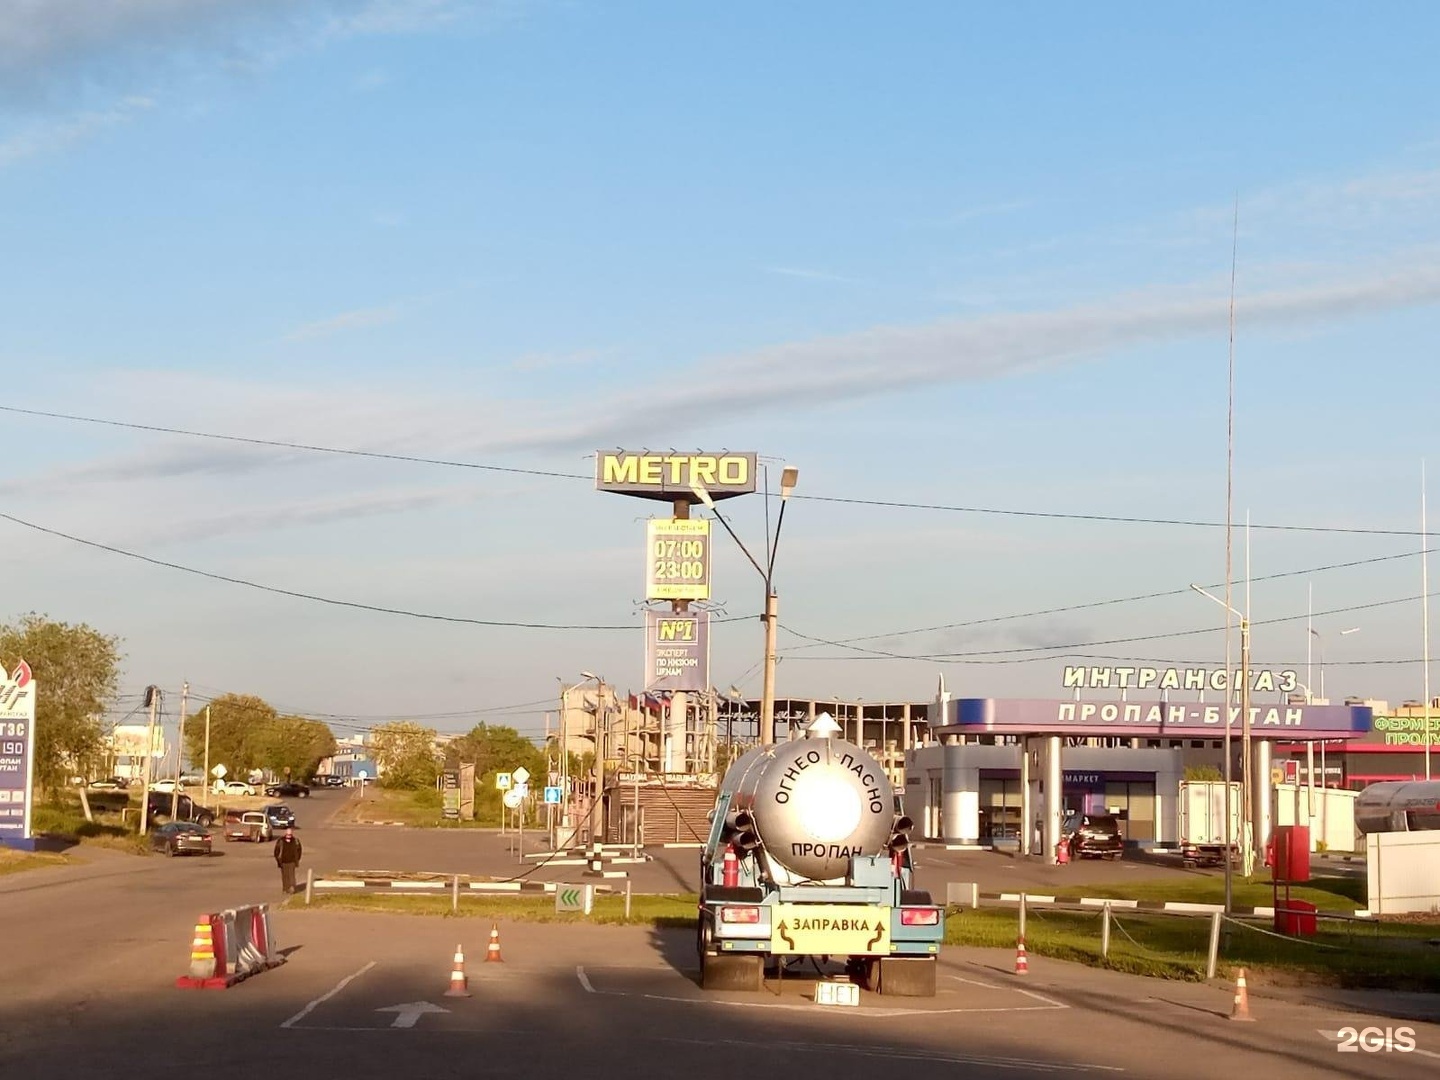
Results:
[677, 650]
[677, 559]
[673, 477]
[17, 752]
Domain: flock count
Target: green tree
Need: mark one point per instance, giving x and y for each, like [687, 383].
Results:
[246, 732]
[1202, 772]
[495, 749]
[405, 755]
[76, 669]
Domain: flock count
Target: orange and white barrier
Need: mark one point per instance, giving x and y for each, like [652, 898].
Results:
[230, 946]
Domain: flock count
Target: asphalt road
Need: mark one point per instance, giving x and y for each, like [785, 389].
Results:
[90, 954]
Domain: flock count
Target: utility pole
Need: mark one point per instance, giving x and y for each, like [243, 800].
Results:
[597, 770]
[205, 780]
[152, 699]
[179, 752]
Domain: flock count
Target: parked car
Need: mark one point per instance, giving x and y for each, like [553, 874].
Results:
[168, 785]
[186, 809]
[111, 783]
[279, 816]
[249, 825]
[331, 781]
[1093, 835]
[233, 787]
[287, 789]
[180, 838]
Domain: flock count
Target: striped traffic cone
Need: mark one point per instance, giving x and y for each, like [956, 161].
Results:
[1241, 1009]
[492, 951]
[458, 983]
[1022, 964]
[205, 971]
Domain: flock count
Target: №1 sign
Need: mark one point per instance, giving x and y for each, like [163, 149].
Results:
[677, 650]
[17, 753]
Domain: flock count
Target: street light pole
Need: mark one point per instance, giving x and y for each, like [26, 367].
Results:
[771, 618]
[597, 768]
[1229, 797]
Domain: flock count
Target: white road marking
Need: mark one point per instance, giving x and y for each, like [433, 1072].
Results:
[1049, 1002]
[308, 1009]
[584, 980]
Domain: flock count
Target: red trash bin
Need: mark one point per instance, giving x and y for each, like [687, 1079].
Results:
[1296, 918]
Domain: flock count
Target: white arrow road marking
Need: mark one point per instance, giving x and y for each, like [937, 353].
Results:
[312, 1006]
[408, 1015]
[584, 980]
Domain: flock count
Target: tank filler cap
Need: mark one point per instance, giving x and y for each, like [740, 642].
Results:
[823, 727]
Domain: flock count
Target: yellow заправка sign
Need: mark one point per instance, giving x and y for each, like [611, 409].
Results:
[677, 559]
[830, 930]
[674, 476]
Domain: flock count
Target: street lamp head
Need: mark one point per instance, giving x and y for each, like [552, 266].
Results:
[1352, 630]
[788, 478]
[703, 495]
[590, 675]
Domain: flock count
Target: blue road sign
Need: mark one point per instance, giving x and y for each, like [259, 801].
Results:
[552, 796]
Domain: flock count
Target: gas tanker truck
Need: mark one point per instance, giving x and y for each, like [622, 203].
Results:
[1398, 806]
[808, 855]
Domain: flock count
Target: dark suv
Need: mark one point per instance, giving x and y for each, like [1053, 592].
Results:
[186, 809]
[1094, 835]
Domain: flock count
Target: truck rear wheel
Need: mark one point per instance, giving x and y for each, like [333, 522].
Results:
[901, 976]
[725, 972]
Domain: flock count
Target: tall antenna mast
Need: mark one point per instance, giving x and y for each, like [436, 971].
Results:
[1229, 556]
[1425, 612]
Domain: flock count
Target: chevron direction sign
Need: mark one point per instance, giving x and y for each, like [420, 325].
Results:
[579, 898]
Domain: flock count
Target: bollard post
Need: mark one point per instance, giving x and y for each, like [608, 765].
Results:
[1105, 931]
[309, 884]
[455, 893]
[627, 898]
[1214, 945]
[1022, 916]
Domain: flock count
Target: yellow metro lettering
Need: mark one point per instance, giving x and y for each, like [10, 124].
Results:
[621, 470]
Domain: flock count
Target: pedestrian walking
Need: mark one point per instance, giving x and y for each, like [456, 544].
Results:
[287, 857]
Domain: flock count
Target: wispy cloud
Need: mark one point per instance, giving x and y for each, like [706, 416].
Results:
[400, 16]
[54, 134]
[311, 512]
[975, 213]
[808, 275]
[360, 319]
[803, 375]
[548, 361]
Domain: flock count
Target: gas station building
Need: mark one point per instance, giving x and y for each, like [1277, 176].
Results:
[992, 769]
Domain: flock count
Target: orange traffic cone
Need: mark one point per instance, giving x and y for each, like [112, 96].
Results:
[492, 951]
[458, 983]
[1022, 965]
[1241, 1009]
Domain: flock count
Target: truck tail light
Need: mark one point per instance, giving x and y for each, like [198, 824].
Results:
[919, 916]
[734, 914]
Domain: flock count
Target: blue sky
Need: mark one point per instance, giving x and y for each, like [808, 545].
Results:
[962, 255]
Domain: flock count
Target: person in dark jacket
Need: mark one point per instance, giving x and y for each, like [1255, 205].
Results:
[287, 857]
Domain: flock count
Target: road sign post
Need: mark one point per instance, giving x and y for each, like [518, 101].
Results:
[574, 898]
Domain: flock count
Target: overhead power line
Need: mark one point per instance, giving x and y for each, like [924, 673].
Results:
[846, 643]
[330, 600]
[894, 504]
[282, 444]
[1054, 651]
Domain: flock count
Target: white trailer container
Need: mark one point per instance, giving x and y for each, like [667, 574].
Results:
[1333, 821]
[1201, 820]
[1404, 872]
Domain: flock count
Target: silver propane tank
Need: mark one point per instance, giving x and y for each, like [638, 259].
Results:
[812, 804]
